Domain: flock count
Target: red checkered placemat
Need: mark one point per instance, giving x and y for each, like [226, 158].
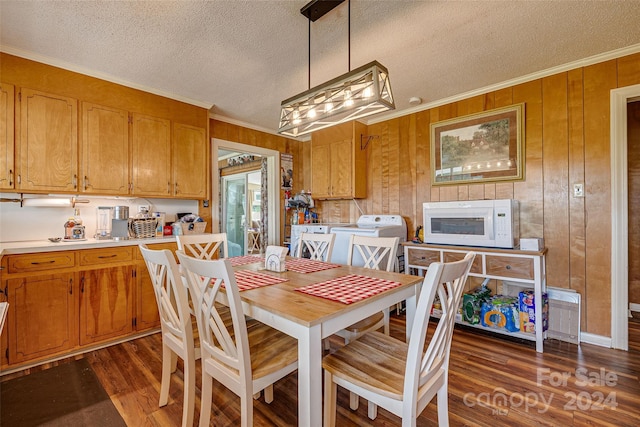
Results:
[242, 260]
[247, 279]
[303, 265]
[349, 289]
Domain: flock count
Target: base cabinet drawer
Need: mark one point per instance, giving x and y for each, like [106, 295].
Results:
[421, 257]
[40, 262]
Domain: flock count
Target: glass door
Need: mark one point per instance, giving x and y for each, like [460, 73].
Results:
[234, 202]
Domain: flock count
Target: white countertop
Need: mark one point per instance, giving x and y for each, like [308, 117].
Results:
[44, 245]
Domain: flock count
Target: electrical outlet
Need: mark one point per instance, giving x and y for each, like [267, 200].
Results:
[578, 190]
[143, 208]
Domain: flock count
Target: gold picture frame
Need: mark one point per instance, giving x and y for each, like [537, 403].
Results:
[478, 148]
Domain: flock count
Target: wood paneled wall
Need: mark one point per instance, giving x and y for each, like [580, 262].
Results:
[567, 141]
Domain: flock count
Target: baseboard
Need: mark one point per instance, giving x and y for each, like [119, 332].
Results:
[634, 307]
[599, 340]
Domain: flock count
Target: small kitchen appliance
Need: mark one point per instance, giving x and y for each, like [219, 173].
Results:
[103, 222]
[120, 223]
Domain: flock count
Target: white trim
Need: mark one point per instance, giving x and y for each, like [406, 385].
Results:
[599, 340]
[619, 217]
[103, 76]
[618, 53]
[634, 307]
[273, 168]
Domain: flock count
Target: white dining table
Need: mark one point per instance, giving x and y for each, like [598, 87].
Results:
[310, 319]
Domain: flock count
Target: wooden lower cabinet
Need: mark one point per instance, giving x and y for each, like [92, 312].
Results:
[42, 318]
[106, 304]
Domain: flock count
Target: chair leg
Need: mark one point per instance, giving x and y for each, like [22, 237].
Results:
[354, 401]
[205, 400]
[372, 410]
[189, 392]
[330, 396]
[246, 411]
[443, 405]
[268, 393]
[167, 355]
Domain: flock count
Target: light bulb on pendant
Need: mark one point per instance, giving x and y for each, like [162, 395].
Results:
[348, 98]
[311, 113]
[368, 91]
[296, 116]
[328, 104]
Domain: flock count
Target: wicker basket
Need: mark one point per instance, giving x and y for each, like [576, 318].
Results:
[193, 227]
[143, 228]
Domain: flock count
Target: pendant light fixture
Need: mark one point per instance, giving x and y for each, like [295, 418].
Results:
[358, 93]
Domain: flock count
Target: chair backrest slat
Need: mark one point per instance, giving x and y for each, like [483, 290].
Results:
[319, 246]
[378, 253]
[204, 246]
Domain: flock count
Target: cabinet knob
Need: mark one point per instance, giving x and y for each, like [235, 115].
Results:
[10, 177]
[508, 267]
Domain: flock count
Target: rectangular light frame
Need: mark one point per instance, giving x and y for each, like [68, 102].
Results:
[330, 103]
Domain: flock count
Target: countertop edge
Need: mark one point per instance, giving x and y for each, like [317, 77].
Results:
[37, 246]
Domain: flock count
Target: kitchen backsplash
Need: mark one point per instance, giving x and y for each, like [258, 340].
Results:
[37, 223]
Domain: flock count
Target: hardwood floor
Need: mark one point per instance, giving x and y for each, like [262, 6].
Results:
[492, 382]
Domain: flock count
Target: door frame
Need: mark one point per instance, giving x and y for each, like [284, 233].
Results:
[273, 184]
[620, 216]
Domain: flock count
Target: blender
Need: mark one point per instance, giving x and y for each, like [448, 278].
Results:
[103, 223]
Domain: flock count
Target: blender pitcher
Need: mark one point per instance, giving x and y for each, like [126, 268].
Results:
[103, 223]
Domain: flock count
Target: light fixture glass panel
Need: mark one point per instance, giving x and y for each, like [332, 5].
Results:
[333, 104]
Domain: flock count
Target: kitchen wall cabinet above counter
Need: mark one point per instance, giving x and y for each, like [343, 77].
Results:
[74, 134]
[339, 162]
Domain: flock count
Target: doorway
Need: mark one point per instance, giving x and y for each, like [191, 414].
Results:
[620, 216]
[241, 212]
[270, 232]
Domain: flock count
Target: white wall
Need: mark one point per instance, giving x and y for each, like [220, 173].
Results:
[37, 223]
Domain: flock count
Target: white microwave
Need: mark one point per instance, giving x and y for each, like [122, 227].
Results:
[489, 223]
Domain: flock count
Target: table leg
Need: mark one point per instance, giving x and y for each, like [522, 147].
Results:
[310, 377]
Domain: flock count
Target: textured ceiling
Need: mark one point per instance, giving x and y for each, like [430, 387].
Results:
[244, 57]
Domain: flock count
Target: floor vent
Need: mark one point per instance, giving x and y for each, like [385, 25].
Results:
[564, 315]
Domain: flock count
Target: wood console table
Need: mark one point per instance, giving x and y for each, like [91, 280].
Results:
[523, 268]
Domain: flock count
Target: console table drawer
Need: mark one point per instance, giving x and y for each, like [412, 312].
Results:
[476, 267]
[505, 266]
[422, 257]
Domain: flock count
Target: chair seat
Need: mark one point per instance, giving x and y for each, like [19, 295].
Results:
[367, 324]
[374, 361]
[266, 345]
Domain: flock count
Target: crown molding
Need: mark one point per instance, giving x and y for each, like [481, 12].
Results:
[92, 73]
[614, 54]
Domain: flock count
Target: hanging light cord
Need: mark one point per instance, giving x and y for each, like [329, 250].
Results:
[309, 75]
[349, 30]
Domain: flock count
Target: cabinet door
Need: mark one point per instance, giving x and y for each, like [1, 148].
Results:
[4, 343]
[189, 162]
[151, 156]
[341, 169]
[48, 153]
[321, 171]
[7, 109]
[104, 151]
[106, 307]
[42, 316]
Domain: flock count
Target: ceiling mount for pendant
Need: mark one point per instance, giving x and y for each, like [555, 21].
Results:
[316, 9]
[356, 94]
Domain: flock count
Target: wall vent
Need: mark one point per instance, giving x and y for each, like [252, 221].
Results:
[564, 315]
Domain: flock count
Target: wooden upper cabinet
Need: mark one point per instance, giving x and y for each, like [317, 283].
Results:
[189, 161]
[104, 150]
[7, 167]
[151, 156]
[48, 145]
[338, 162]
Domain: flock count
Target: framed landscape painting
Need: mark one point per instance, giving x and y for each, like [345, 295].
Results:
[483, 147]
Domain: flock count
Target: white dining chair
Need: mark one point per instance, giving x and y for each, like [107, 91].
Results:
[378, 253]
[204, 246]
[244, 358]
[176, 326]
[318, 246]
[402, 377]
